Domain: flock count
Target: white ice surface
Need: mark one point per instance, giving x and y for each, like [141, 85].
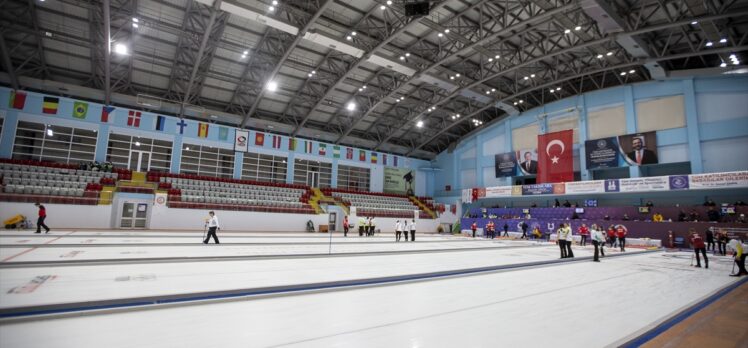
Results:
[99, 282]
[581, 304]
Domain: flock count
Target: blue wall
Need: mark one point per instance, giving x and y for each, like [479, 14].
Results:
[714, 139]
[32, 111]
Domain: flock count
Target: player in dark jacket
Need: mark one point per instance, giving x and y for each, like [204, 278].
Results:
[699, 247]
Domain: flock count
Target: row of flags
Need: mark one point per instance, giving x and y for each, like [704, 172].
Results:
[50, 105]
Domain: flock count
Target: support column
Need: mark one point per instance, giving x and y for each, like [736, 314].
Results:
[630, 109]
[478, 160]
[176, 154]
[334, 174]
[9, 133]
[102, 143]
[692, 127]
[508, 146]
[238, 164]
[581, 104]
[290, 166]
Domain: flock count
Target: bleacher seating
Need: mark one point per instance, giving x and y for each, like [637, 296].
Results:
[199, 192]
[377, 204]
[31, 181]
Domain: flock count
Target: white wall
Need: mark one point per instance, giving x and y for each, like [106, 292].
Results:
[63, 215]
[194, 219]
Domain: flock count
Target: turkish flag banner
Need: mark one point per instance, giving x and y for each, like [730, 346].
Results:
[555, 160]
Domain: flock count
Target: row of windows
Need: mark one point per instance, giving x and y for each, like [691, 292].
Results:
[40, 142]
[263, 167]
[36, 141]
[355, 178]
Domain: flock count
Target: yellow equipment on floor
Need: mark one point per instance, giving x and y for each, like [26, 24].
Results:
[14, 221]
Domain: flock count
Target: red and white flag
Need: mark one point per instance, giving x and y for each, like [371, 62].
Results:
[276, 141]
[555, 160]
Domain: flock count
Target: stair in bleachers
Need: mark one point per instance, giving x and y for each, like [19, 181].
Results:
[423, 207]
[315, 199]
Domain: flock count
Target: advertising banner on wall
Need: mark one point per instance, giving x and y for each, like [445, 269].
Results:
[498, 191]
[537, 189]
[601, 153]
[718, 180]
[398, 180]
[467, 195]
[592, 186]
[655, 183]
[241, 141]
[527, 161]
[632, 149]
[505, 164]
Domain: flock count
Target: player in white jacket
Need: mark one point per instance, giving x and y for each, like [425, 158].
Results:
[598, 240]
[398, 230]
[412, 229]
[561, 238]
[569, 240]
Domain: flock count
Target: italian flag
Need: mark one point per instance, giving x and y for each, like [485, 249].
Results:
[308, 147]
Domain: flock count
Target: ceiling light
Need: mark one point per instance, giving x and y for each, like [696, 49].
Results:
[567, 31]
[389, 2]
[527, 78]
[722, 40]
[360, 89]
[246, 52]
[50, 132]
[382, 7]
[137, 143]
[521, 101]
[735, 62]
[309, 74]
[314, 72]
[353, 33]
[609, 54]
[599, 56]
[623, 73]
[135, 20]
[488, 92]
[723, 65]
[515, 103]
[632, 71]
[407, 54]
[552, 90]
[419, 124]
[349, 38]
[402, 57]
[578, 28]
[271, 9]
[733, 56]
[446, 31]
[120, 48]
[439, 35]
[272, 86]
[451, 77]
[351, 106]
[244, 56]
[532, 75]
[490, 59]
[558, 88]
[458, 115]
[364, 87]
[457, 75]
[497, 56]
[187, 148]
[709, 44]
[493, 89]
[275, 2]
[135, 25]
[694, 23]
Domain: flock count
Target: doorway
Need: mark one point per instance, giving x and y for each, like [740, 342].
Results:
[140, 161]
[134, 215]
[312, 179]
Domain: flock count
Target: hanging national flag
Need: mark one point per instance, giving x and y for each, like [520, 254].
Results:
[384, 158]
[362, 155]
[308, 147]
[106, 112]
[160, 123]
[292, 144]
[276, 141]
[349, 153]
[394, 159]
[50, 105]
[336, 151]
[80, 109]
[322, 149]
[555, 160]
[133, 118]
[374, 157]
[202, 130]
[223, 133]
[17, 99]
[181, 124]
[259, 139]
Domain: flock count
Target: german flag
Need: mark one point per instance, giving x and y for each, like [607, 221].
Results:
[17, 100]
[50, 105]
[202, 131]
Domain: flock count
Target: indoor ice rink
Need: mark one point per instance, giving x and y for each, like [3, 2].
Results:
[370, 173]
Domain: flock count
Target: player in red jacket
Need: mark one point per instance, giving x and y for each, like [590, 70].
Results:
[584, 231]
[611, 236]
[621, 234]
[40, 221]
[698, 246]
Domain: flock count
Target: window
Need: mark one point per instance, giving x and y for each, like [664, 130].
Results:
[207, 160]
[40, 142]
[355, 178]
[303, 169]
[262, 167]
[120, 146]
